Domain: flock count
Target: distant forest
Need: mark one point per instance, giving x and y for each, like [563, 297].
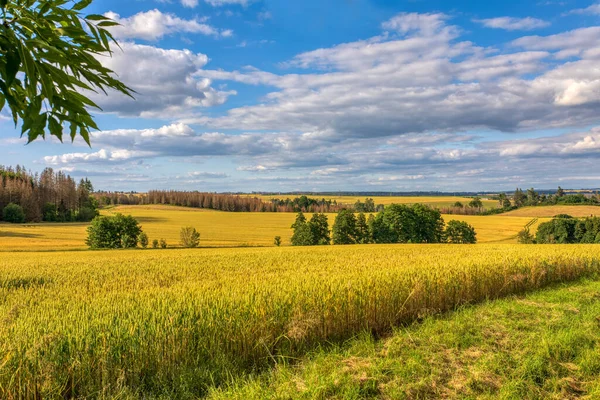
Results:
[51, 196]
[231, 202]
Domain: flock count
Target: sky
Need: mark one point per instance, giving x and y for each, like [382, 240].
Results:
[341, 95]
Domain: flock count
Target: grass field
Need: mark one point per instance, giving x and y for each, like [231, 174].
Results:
[217, 229]
[540, 346]
[551, 211]
[175, 323]
[434, 201]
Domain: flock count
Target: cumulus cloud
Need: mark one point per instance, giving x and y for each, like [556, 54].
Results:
[425, 80]
[410, 108]
[164, 80]
[513, 24]
[154, 24]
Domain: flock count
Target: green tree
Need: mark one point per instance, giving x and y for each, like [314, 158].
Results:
[49, 56]
[533, 197]
[277, 241]
[519, 198]
[344, 228]
[163, 244]
[189, 237]
[319, 228]
[302, 235]
[13, 213]
[560, 192]
[144, 240]
[460, 232]
[380, 231]
[113, 232]
[429, 225]
[363, 234]
[560, 229]
[155, 244]
[458, 204]
[476, 203]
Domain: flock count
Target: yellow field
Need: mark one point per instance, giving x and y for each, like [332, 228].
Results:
[174, 323]
[434, 201]
[217, 228]
[551, 211]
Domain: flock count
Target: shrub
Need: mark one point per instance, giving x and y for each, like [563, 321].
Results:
[189, 237]
[460, 232]
[113, 232]
[144, 240]
[13, 213]
[155, 244]
[87, 214]
[525, 237]
[277, 241]
[163, 244]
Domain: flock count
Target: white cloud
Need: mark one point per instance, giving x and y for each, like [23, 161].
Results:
[164, 80]
[153, 25]
[189, 3]
[218, 3]
[594, 9]
[513, 24]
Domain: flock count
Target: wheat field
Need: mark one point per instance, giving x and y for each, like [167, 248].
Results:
[217, 228]
[168, 323]
[434, 201]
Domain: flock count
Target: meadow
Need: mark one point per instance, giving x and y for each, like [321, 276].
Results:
[179, 323]
[217, 228]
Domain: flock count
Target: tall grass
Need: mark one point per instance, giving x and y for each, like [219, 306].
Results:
[174, 322]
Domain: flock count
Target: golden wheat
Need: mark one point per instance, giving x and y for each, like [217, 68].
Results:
[168, 322]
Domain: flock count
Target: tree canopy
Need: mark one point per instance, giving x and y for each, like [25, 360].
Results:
[49, 57]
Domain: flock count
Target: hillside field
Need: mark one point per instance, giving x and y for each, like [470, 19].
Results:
[179, 323]
[550, 211]
[217, 228]
[434, 201]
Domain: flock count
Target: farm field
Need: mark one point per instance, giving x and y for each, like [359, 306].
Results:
[434, 201]
[217, 228]
[543, 345]
[550, 211]
[176, 323]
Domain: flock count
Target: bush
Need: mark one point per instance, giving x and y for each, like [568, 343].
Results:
[113, 232]
[155, 244]
[189, 237]
[525, 237]
[144, 240]
[460, 232]
[277, 241]
[163, 244]
[87, 214]
[13, 213]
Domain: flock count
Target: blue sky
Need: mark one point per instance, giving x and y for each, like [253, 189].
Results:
[364, 95]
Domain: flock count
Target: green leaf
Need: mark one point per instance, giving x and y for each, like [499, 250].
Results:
[96, 17]
[81, 5]
[55, 128]
[13, 63]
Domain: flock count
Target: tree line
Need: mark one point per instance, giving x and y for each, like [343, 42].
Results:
[397, 223]
[564, 229]
[521, 198]
[230, 202]
[51, 196]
